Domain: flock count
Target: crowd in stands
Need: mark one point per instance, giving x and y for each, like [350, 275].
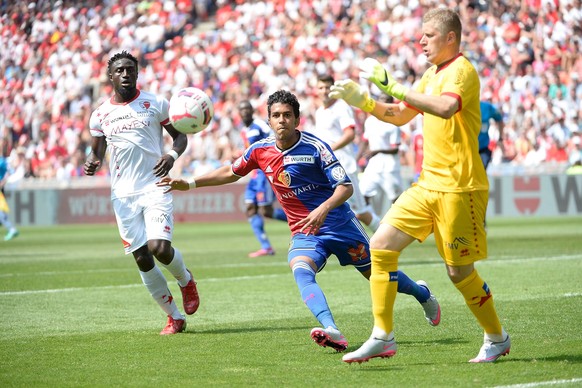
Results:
[53, 58]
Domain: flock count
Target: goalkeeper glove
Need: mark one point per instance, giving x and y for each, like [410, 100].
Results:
[373, 71]
[353, 94]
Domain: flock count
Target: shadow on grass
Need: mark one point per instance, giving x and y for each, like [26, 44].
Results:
[442, 341]
[569, 358]
[373, 367]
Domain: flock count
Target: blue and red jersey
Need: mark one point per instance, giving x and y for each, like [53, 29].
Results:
[302, 177]
[257, 130]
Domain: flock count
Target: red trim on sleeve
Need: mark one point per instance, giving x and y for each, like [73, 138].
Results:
[456, 97]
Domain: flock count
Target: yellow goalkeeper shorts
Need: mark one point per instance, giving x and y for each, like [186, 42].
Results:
[456, 219]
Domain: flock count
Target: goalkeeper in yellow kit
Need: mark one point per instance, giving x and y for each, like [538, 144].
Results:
[450, 198]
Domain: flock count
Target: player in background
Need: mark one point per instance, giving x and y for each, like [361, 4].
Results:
[130, 124]
[450, 198]
[259, 196]
[417, 142]
[335, 124]
[12, 232]
[488, 112]
[312, 187]
[381, 182]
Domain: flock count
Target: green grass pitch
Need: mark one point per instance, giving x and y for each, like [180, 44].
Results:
[75, 314]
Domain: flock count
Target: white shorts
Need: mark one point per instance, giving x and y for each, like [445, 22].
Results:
[381, 177]
[144, 217]
[357, 201]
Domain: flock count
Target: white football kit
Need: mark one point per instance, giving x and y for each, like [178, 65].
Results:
[134, 135]
[329, 127]
[381, 177]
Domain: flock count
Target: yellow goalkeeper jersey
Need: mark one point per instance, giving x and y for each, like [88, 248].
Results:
[451, 150]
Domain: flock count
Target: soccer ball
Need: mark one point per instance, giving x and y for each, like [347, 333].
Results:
[191, 110]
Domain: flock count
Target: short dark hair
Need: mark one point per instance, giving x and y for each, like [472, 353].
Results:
[283, 97]
[121, 55]
[245, 103]
[327, 78]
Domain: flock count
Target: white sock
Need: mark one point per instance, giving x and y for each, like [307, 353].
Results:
[178, 269]
[495, 337]
[381, 334]
[156, 284]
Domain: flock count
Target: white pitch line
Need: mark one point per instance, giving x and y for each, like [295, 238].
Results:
[133, 269]
[237, 278]
[541, 383]
[75, 289]
[501, 260]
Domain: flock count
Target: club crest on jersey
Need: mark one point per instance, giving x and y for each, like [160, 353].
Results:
[145, 104]
[294, 159]
[338, 173]
[285, 178]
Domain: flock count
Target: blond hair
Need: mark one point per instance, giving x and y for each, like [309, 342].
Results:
[446, 20]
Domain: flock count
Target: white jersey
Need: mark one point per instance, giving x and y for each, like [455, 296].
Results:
[330, 124]
[381, 179]
[134, 135]
[382, 136]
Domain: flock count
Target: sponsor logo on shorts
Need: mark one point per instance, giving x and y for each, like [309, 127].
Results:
[358, 253]
[458, 241]
[161, 218]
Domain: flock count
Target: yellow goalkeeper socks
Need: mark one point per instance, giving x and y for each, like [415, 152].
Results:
[480, 301]
[383, 286]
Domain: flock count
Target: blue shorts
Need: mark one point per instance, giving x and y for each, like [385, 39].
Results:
[259, 191]
[349, 242]
[485, 154]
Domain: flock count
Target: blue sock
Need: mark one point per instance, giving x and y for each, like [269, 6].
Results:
[409, 287]
[279, 214]
[258, 226]
[312, 294]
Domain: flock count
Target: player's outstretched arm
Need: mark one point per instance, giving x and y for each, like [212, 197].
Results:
[220, 176]
[355, 95]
